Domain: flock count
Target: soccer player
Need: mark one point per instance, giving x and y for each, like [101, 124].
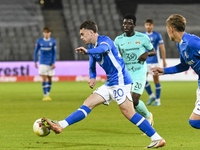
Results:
[47, 57]
[101, 49]
[154, 61]
[132, 46]
[189, 48]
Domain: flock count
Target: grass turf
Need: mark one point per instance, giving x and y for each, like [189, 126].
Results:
[105, 128]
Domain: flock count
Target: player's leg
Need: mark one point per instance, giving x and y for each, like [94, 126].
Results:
[136, 91]
[98, 97]
[43, 72]
[129, 112]
[194, 120]
[148, 87]
[44, 86]
[49, 84]
[158, 90]
[91, 102]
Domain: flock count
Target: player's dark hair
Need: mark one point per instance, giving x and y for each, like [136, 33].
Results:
[130, 16]
[149, 21]
[89, 25]
[47, 28]
[176, 21]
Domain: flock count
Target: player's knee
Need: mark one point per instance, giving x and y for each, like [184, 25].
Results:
[195, 123]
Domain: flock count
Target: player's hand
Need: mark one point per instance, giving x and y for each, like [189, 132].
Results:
[143, 57]
[92, 82]
[36, 65]
[53, 66]
[157, 71]
[164, 64]
[81, 50]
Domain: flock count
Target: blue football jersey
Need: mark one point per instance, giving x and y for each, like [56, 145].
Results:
[156, 40]
[107, 56]
[47, 51]
[189, 49]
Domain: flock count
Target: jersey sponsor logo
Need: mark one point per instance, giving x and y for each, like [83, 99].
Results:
[129, 42]
[131, 56]
[137, 42]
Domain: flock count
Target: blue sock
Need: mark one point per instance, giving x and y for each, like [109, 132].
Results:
[49, 87]
[78, 115]
[148, 88]
[44, 87]
[143, 124]
[195, 123]
[158, 90]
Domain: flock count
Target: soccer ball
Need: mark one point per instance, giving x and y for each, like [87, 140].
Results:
[40, 129]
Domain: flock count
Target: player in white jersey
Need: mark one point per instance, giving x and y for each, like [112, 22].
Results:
[47, 57]
[101, 49]
[154, 61]
[189, 49]
[132, 46]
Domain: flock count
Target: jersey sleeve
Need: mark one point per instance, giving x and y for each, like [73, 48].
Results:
[54, 52]
[147, 43]
[37, 47]
[92, 67]
[178, 68]
[160, 40]
[194, 43]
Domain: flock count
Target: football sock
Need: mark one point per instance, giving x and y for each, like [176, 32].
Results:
[158, 90]
[49, 86]
[148, 88]
[44, 86]
[143, 124]
[78, 115]
[195, 123]
[142, 109]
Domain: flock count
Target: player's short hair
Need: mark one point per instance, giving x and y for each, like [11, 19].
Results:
[89, 25]
[47, 29]
[176, 21]
[130, 16]
[149, 21]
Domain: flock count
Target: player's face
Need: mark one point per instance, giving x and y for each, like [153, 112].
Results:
[46, 34]
[128, 26]
[170, 33]
[86, 36]
[149, 27]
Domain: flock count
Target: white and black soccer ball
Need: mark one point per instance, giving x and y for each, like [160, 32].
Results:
[40, 129]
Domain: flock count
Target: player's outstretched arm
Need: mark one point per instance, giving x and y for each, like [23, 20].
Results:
[158, 71]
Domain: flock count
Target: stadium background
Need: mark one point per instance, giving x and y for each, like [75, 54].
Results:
[22, 21]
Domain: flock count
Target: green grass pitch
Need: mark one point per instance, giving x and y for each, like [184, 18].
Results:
[105, 128]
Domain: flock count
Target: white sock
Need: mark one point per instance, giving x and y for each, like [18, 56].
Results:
[156, 136]
[63, 123]
[152, 95]
[158, 100]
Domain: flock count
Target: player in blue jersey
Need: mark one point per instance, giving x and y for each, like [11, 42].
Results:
[101, 49]
[189, 49]
[154, 61]
[132, 46]
[47, 57]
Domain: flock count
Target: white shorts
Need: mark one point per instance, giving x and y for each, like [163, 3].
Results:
[46, 70]
[117, 93]
[149, 66]
[197, 104]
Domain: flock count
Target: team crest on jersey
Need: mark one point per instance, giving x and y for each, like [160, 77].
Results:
[137, 42]
[50, 44]
[129, 42]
